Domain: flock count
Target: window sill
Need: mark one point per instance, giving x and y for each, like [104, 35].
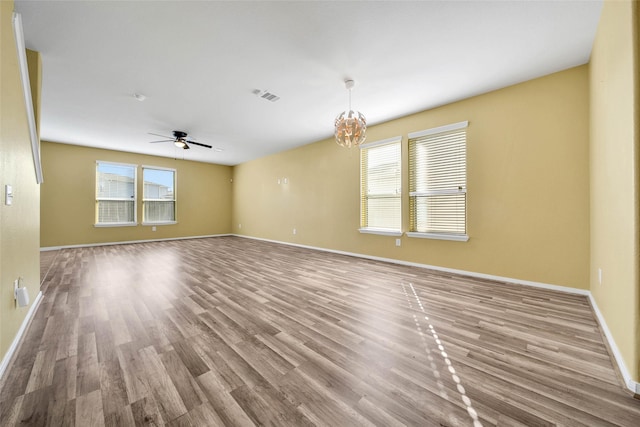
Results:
[437, 236]
[380, 231]
[116, 224]
[160, 223]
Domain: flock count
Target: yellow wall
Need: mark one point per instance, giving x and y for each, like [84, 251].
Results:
[528, 195]
[68, 197]
[614, 177]
[19, 223]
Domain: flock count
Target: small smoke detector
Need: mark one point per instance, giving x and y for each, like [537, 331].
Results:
[265, 94]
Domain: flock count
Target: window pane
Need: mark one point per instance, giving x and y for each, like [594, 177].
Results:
[116, 181]
[383, 170]
[158, 195]
[384, 212]
[158, 184]
[381, 186]
[116, 211]
[437, 182]
[159, 211]
[440, 214]
[115, 193]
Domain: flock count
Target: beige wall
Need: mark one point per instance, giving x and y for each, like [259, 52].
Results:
[19, 223]
[614, 177]
[68, 197]
[528, 195]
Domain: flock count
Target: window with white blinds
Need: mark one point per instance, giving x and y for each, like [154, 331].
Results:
[438, 183]
[158, 195]
[381, 184]
[115, 194]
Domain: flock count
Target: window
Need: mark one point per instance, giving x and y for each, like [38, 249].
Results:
[115, 194]
[438, 183]
[381, 194]
[159, 196]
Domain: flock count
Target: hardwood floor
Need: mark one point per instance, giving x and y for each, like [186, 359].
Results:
[232, 331]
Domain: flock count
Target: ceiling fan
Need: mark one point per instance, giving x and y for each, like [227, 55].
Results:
[179, 139]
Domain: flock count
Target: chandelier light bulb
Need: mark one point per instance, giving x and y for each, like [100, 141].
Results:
[350, 126]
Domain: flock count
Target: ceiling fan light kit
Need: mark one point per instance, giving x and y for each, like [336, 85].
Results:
[350, 126]
[180, 140]
[181, 144]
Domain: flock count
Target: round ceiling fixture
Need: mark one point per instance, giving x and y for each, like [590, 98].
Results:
[350, 126]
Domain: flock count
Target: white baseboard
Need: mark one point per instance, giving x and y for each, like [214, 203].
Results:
[629, 382]
[16, 340]
[127, 242]
[565, 289]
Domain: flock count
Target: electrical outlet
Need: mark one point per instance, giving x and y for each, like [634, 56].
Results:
[153, 228]
[398, 242]
[600, 276]
[295, 231]
[239, 225]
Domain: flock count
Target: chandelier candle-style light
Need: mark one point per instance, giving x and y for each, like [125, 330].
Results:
[351, 126]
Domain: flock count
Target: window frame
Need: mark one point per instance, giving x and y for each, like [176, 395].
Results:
[174, 200]
[133, 223]
[363, 185]
[462, 237]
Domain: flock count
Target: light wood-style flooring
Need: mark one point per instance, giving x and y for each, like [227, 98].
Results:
[239, 332]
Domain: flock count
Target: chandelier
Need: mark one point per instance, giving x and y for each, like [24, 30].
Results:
[350, 125]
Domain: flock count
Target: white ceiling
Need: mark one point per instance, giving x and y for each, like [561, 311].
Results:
[199, 62]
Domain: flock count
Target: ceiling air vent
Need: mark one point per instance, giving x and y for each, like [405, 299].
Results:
[265, 94]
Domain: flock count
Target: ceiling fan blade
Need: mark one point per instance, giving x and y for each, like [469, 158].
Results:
[164, 140]
[197, 143]
[171, 138]
[186, 146]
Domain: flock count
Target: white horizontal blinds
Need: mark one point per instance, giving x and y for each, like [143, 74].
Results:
[381, 185]
[438, 181]
[115, 193]
[158, 197]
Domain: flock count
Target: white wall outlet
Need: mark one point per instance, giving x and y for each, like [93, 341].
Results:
[600, 276]
[295, 231]
[398, 242]
[285, 180]
[278, 180]
[153, 228]
[239, 225]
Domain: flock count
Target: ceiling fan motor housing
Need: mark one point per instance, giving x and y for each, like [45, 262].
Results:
[179, 134]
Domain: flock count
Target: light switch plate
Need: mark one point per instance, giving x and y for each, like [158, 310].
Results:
[8, 195]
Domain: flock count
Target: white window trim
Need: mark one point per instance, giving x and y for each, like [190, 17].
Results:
[380, 231]
[135, 195]
[382, 142]
[116, 224]
[160, 223]
[438, 236]
[160, 168]
[175, 198]
[439, 129]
